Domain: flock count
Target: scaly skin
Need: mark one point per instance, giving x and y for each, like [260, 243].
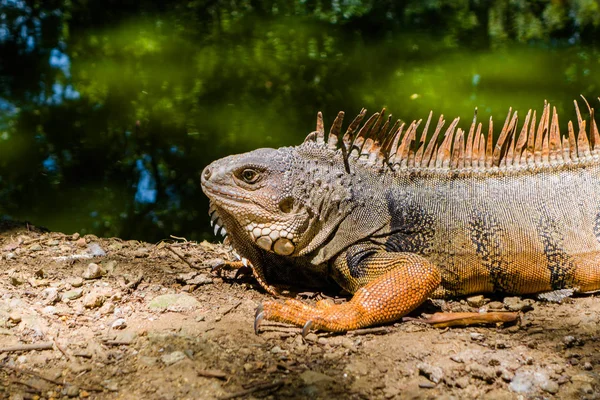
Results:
[394, 225]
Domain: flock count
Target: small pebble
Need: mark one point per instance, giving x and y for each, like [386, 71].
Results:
[173, 357]
[119, 324]
[93, 300]
[93, 271]
[549, 386]
[311, 337]
[476, 301]
[434, 373]
[72, 294]
[478, 337]
[277, 350]
[71, 391]
[75, 281]
[14, 318]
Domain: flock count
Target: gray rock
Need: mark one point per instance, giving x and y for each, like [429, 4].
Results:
[119, 323]
[478, 337]
[51, 295]
[75, 282]
[549, 386]
[277, 350]
[516, 303]
[72, 294]
[476, 301]
[93, 300]
[433, 373]
[95, 250]
[93, 271]
[522, 382]
[71, 391]
[172, 358]
[527, 381]
[485, 374]
[495, 305]
[311, 337]
[173, 302]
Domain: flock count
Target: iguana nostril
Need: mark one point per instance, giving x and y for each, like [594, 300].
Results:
[206, 173]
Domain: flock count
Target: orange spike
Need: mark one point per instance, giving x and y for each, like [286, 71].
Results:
[384, 129]
[522, 140]
[426, 129]
[469, 145]
[400, 150]
[444, 152]
[475, 154]
[390, 136]
[421, 150]
[429, 151]
[509, 124]
[408, 138]
[476, 149]
[386, 136]
[531, 139]
[334, 131]
[458, 151]
[481, 148]
[320, 128]
[583, 145]
[566, 151]
[375, 129]
[542, 129]
[488, 150]
[545, 150]
[594, 135]
[433, 161]
[572, 142]
[394, 146]
[352, 127]
[555, 142]
[364, 131]
[508, 157]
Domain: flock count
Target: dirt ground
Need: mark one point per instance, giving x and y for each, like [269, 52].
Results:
[114, 319]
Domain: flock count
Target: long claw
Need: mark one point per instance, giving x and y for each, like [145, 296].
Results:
[306, 328]
[258, 318]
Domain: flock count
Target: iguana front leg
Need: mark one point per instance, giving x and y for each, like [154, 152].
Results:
[386, 286]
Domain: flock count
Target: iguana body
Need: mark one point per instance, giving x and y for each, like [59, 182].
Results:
[395, 217]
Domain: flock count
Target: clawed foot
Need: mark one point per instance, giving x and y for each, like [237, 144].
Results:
[324, 315]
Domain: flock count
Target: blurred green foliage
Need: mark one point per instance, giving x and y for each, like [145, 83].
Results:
[110, 109]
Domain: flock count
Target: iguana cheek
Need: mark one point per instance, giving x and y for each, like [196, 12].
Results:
[276, 240]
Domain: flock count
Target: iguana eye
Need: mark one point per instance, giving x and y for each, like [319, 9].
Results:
[249, 175]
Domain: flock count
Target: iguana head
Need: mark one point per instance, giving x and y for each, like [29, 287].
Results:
[276, 198]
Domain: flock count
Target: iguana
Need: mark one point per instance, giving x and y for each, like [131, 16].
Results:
[394, 216]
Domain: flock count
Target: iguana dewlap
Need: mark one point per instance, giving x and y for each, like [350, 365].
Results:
[395, 215]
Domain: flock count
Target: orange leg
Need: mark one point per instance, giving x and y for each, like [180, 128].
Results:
[400, 282]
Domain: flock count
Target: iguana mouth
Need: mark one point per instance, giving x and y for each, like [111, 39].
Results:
[220, 194]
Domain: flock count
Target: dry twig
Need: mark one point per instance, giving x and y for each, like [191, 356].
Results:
[27, 347]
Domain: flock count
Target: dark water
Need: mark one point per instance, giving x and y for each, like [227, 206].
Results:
[109, 110]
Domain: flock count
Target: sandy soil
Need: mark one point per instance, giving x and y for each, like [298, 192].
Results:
[117, 319]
